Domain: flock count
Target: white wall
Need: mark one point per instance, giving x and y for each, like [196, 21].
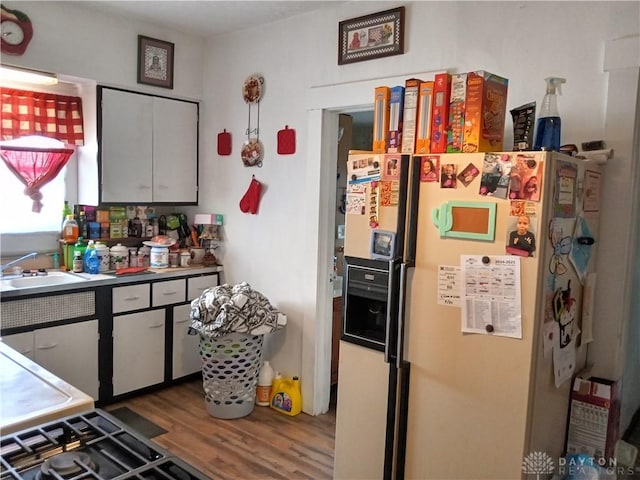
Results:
[75, 40]
[274, 251]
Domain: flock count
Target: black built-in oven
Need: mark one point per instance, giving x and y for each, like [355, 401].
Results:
[370, 303]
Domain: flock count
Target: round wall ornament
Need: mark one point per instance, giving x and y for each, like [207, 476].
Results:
[252, 88]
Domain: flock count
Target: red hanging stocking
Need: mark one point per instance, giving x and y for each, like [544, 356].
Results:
[251, 199]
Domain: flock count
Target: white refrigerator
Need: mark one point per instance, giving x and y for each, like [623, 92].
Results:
[468, 288]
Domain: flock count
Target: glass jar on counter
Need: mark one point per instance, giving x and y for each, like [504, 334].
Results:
[144, 256]
[133, 257]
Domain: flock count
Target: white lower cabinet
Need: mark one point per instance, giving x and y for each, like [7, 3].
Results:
[186, 348]
[21, 343]
[68, 351]
[138, 350]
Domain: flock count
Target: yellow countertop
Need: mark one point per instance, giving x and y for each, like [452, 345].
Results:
[31, 395]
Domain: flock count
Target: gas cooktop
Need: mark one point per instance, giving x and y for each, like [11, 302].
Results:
[92, 445]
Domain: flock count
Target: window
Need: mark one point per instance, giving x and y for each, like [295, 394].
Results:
[23, 231]
[16, 214]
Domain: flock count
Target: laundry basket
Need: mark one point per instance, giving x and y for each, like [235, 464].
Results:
[230, 366]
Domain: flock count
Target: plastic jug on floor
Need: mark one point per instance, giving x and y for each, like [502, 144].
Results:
[285, 395]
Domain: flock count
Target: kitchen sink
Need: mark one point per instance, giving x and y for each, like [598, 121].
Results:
[51, 278]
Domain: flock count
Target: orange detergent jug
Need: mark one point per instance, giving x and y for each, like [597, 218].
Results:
[285, 395]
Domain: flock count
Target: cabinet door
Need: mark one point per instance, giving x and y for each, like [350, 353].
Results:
[71, 353]
[138, 350]
[175, 151]
[21, 343]
[186, 348]
[126, 147]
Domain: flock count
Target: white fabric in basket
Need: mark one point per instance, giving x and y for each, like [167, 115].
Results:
[225, 309]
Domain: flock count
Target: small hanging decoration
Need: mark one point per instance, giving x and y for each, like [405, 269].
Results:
[224, 143]
[252, 151]
[286, 141]
[251, 199]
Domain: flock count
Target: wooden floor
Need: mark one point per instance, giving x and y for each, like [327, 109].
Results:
[263, 445]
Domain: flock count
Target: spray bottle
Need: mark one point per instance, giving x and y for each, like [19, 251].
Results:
[548, 123]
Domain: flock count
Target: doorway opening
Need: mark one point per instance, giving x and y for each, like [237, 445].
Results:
[355, 132]
[324, 105]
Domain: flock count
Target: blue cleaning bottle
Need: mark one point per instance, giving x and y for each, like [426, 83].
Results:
[548, 124]
[91, 259]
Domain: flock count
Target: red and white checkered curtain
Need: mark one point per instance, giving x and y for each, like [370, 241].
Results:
[37, 113]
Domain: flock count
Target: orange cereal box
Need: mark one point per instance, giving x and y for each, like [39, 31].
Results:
[485, 110]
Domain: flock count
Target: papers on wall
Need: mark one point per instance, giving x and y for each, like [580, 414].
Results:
[564, 362]
[491, 302]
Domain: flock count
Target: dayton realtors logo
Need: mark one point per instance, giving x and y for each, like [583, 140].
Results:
[537, 463]
[541, 464]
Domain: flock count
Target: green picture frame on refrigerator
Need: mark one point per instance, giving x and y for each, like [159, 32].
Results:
[466, 220]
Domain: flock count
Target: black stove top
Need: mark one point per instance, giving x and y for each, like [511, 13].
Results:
[92, 445]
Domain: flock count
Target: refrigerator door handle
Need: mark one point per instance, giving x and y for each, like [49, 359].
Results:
[400, 333]
[387, 329]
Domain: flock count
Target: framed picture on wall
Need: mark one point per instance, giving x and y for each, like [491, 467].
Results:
[371, 36]
[155, 62]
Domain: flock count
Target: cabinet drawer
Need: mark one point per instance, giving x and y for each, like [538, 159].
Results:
[197, 285]
[131, 297]
[166, 293]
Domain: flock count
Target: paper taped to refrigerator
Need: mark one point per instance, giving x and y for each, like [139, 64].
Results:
[449, 291]
[492, 298]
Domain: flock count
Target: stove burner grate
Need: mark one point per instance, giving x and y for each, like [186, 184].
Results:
[66, 464]
[91, 445]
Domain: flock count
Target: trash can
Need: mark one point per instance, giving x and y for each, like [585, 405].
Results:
[230, 367]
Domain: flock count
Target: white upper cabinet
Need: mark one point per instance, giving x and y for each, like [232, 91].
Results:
[175, 151]
[148, 149]
[126, 147]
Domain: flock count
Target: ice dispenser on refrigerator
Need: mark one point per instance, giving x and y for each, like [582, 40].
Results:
[368, 284]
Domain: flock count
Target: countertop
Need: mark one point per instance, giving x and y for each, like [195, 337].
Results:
[31, 395]
[110, 278]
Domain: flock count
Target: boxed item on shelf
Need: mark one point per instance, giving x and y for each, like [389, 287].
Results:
[381, 119]
[440, 112]
[396, 104]
[457, 105]
[484, 112]
[423, 131]
[593, 418]
[410, 115]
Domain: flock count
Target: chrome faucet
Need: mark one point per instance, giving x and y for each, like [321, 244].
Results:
[18, 260]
